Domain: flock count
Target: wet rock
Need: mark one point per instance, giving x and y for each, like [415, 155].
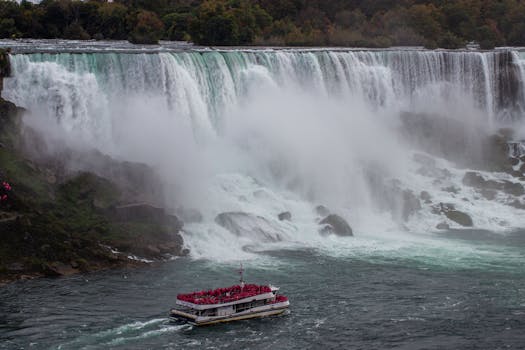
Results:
[517, 204]
[249, 225]
[453, 214]
[153, 250]
[59, 269]
[443, 226]
[514, 161]
[321, 210]
[285, 216]
[335, 224]
[488, 194]
[425, 196]
[513, 188]
[474, 179]
[477, 181]
[15, 267]
[451, 189]
[459, 217]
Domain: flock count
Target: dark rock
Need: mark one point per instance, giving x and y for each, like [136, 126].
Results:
[451, 189]
[425, 196]
[321, 210]
[488, 193]
[477, 181]
[517, 204]
[451, 213]
[513, 188]
[59, 269]
[285, 216]
[514, 161]
[474, 179]
[443, 226]
[15, 267]
[245, 224]
[335, 224]
[459, 217]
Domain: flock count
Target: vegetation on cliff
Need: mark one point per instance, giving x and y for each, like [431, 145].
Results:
[60, 222]
[438, 23]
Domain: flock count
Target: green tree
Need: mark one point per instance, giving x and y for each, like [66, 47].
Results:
[148, 28]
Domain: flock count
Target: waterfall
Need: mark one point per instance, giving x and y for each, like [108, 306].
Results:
[267, 130]
[200, 86]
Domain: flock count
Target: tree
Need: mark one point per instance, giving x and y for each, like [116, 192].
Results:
[148, 28]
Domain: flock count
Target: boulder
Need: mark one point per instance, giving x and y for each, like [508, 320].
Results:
[443, 226]
[473, 179]
[517, 204]
[514, 161]
[513, 188]
[425, 196]
[337, 225]
[451, 189]
[477, 181]
[488, 194]
[453, 214]
[249, 225]
[285, 216]
[459, 217]
[59, 269]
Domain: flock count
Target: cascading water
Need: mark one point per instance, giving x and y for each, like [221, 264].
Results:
[267, 131]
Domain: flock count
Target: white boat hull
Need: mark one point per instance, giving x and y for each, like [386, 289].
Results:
[262, 311]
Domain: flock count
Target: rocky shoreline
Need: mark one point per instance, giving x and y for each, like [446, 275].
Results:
[58, 221]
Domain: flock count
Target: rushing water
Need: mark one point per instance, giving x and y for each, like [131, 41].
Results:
[417, 296]
[265, 131]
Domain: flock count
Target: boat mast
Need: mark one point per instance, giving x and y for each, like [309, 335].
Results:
[241, 271]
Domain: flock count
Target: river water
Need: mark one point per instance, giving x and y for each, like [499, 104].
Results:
[365, 295]
[382, 138]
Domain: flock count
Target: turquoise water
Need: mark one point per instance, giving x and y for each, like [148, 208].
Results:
[417, 299]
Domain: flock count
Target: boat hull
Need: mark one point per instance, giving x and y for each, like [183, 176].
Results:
[180, 316]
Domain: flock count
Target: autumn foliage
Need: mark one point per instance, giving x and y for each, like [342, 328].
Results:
[439, 23]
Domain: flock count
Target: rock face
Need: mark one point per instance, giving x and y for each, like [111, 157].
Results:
[460, 217]
[443, 226]
[249, 225]
[334, 224]
[477, 181]
[145, 213]
[451, 213]
[285, 216]
[425, 196]
[60, 269]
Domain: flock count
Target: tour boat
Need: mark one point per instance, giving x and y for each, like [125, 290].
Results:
[233, 303]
